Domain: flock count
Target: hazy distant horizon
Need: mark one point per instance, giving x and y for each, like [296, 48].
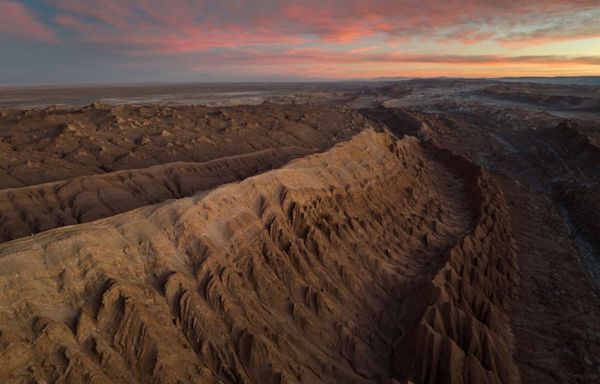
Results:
[581, 80]
[214, 93]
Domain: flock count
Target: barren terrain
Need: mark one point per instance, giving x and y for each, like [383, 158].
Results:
[427, 231]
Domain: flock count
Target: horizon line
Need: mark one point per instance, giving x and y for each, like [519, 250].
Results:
[283, 82]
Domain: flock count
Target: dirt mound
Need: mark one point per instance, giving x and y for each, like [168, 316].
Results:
[378, 259]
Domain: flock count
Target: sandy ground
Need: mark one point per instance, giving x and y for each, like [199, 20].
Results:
[433, 231]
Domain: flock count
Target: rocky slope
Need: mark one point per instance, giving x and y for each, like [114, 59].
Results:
[379, 260]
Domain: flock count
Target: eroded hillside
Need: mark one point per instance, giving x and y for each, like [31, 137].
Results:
[378, 259]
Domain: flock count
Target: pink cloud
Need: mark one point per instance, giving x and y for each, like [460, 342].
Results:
[192, 25]
[455, 20]
[18, 22]
[151, 27]
[324, 57]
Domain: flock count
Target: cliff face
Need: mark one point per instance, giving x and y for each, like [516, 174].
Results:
[380, 259]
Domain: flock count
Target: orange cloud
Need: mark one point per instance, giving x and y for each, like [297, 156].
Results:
[320, 56]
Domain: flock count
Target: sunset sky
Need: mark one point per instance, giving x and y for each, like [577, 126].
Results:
[99, 41]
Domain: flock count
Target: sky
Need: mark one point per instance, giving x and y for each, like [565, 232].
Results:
[128, 41]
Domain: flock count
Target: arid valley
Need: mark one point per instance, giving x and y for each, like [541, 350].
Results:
[413, 231]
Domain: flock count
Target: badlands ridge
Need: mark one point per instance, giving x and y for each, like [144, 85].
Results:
[379, 258]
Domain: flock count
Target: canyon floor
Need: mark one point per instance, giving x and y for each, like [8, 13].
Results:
[419, 231]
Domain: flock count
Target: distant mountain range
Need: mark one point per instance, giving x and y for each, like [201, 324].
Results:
[572, 80]
[576, 80]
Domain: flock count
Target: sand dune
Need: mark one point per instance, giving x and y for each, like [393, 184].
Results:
[374, 258]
